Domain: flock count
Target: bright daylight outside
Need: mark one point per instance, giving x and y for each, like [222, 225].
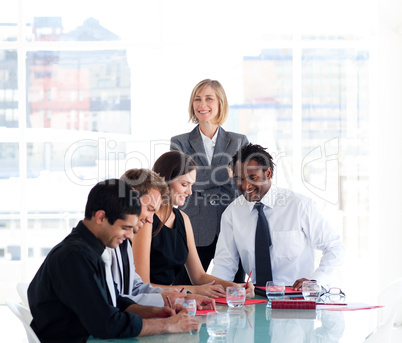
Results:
[90, 89]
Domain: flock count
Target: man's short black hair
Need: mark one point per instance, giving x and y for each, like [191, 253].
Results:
[256, 153]
[115, 197]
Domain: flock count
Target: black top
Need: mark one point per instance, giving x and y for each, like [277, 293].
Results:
[169, 250]
[69, 298]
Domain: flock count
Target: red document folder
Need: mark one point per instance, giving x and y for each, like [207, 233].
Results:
[293, 304]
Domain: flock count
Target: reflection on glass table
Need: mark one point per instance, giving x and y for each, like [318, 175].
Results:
[304, 326]
[257, 323]
[242, 324]
[187, 337]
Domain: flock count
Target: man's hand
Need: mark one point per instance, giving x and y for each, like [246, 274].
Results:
[173, 295]
[203, 302]
[298, 284]
[210, 290]
[182, 322]
[164, 312]
[249, 290]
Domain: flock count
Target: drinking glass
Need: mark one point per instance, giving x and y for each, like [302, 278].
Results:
[311, 290]
[189, 304]
[217, 324]
[275, 290]
[235, 296]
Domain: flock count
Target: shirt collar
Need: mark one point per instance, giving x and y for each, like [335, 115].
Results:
[206, 139]
[89, 237]
[268, 199]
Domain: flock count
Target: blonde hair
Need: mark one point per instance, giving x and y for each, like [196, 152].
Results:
[220, 93]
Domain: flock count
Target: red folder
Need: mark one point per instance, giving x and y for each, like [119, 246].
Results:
[293, 304]
[204, 312]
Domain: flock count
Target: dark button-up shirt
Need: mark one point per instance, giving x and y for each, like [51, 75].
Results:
[69, 297]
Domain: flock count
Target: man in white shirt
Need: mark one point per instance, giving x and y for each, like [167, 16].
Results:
[296, 228]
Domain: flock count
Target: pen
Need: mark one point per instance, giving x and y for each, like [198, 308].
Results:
[182, 290]
[331, 304]
[248, 279]
[170, 303]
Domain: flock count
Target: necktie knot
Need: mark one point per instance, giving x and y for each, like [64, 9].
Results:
[259, 206]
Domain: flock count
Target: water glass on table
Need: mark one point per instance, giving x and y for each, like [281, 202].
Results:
[217, 324]
[275, 290]
[311, 290]
[189, 304]
[235, 296]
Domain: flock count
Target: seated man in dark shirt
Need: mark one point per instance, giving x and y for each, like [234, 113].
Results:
[69, 296]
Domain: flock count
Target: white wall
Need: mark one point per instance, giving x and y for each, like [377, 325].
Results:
[388, 166]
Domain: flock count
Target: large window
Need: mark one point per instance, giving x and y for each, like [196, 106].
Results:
[86, 94]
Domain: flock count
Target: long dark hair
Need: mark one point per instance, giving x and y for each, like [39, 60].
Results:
[170, 166]
[173, 164]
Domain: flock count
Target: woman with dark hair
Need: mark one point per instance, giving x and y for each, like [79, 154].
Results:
[212, 149]
[163, 247]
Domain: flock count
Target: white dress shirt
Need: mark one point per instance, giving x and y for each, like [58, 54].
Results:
[140, 292]
[106, 257]
[209, 144]
[296, 228]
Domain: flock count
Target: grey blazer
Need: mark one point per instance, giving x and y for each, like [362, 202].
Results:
[213, 190]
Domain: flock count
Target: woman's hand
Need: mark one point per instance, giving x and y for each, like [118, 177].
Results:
[210, 290]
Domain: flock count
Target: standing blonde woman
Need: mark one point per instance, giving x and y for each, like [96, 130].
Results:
[212, 149]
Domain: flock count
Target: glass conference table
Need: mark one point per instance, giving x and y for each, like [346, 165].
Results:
[257, 323]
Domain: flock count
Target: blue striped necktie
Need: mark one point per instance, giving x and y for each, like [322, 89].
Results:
[262, 244]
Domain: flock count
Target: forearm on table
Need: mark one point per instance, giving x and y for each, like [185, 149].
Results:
[154, 327]
[167, 286]
[141, 310]
[206, 278]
